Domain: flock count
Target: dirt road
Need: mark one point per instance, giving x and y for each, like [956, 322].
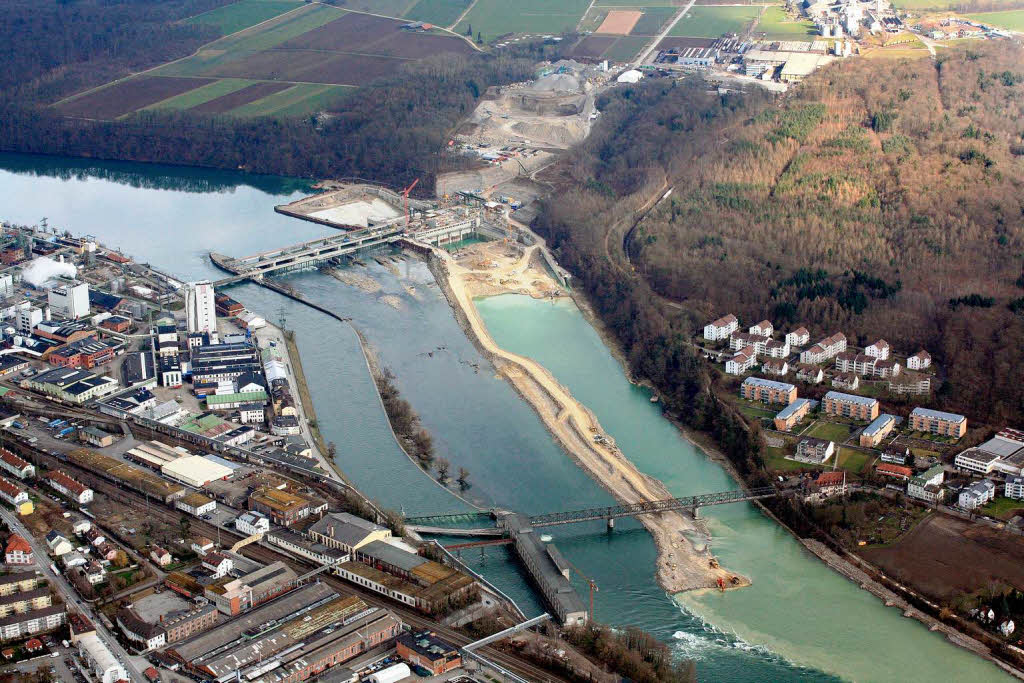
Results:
[683, 560]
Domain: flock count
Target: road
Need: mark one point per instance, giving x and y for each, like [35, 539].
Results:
[71, 598]
[661, 36]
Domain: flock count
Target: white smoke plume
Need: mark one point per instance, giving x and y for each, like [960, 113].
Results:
[45, 268]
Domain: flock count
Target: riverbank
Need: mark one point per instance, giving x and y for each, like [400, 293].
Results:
[684, 562]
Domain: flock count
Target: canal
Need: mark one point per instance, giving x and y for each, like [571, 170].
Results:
[799, 620]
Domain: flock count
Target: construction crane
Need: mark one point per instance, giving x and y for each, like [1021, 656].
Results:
[590, 583]
[405, 195]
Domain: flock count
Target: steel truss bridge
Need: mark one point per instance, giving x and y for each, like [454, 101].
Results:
[438, 522]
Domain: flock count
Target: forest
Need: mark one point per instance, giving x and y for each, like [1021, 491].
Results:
[393, 131]
[883, 205]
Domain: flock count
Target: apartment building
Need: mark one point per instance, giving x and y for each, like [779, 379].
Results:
[879, 428]
[938, 422]
[791, 415]
[767, 391]
[851, 405]
[15, 496]
[776, 349]
[879, 350]
[762, 329]
[742, 340]
[741, 361]
[919, 361]
[798, 337]
[12, 464]
[814, 451]
[721, 328]
[67, 486]
[827, 349]
[775, 366]
[928, 485]
[977, 494]
[18, 551]
[811, 374]
[1014, 487]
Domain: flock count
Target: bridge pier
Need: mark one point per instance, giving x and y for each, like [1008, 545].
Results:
[696, 513]
[611, 524]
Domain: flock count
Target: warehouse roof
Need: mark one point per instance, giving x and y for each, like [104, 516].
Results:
[195, 468]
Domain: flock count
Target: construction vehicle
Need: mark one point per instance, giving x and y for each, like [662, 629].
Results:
[405, 196]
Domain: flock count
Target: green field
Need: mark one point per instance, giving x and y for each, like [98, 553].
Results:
[832, 431]
[775, 460]
[1002, 508]
[244, 14]
[440, 12]
[709, 21]
[938, 4]
[755, 410]
[1011, 19]
[493, 18]
[625, 48]
[652, 20]
[266, 36]
[622, 4]
[387, 8]
[206, 93]
[852, 460]
[305, 98]
[778, 26]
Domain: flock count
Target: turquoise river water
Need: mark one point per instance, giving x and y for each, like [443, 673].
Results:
[799, 621]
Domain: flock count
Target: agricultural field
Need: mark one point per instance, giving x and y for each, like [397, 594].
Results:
[1010, 19]
[493, 18]
[593, 46]
[653, 19]
[639, 3]
[243, 14]
[625, 48]
[288, 65]
[778, 26]
[440, 12]
[619, 22]
[941, 4]
[711, 21]
[387, 8]
[127, 96]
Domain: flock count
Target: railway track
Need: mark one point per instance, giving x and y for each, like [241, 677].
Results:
[260, 553]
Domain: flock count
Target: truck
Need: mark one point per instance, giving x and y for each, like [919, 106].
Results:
[64, 432]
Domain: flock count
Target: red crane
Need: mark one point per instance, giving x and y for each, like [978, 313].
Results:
[405, 195]
[590, 582]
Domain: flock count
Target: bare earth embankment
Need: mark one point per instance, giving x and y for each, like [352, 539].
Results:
[492, 268]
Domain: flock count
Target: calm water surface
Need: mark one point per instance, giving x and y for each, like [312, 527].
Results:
[799, 621]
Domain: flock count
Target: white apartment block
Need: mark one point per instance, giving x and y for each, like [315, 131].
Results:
[919, 361]
[977, 494]
[744, 340]
[762, 329]
[777, 349]
[798, 337]
[827, 349]
[721, 328]
[1014, 487]
[879, 350]
[742, 361]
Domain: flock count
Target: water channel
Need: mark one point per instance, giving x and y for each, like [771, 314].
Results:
[799, 620]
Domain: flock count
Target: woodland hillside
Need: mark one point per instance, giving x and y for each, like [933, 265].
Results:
[882, 199]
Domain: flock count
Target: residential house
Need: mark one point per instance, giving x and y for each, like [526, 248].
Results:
[741, 361]
[767, 391]
[928, 485]
[814, 451]
[846, 380]
[68, 487]
[58, 544]
[136, 629]
[798, 337]
[895, 471]
[195, 503]
[897, 455]
[938, 422]
[776, 349]
[250, 523]
[16, 466]
[95, 573]
[18, 551]
[977, 494]
[762, 329]
[919, 361]
[791, 415]
[202, 545]
[851, 405]
[721, 328]
[879, 350]
[830, 484]
[742, 340]
[811, 374]
[775, 367]
[877, 430]
[218, 563]
[160, 557]
[15, 496]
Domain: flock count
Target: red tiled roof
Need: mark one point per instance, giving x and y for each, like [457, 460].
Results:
[830, 478]
[67, 482]
[9, 488]
[17, 542]
[898, 470]
[12, 459]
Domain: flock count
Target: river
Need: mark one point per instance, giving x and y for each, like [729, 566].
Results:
[799, 620]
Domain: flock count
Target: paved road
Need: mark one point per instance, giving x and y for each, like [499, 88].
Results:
[661, 36]
[72, 599]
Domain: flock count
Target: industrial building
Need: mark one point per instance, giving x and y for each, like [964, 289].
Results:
[102, 662]
[281, 507]
[232, 596]
[201, 309]
[133, 477]
[70, 301]
[346, 532]
[425, 649]
[72, 385]
[195, 470]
